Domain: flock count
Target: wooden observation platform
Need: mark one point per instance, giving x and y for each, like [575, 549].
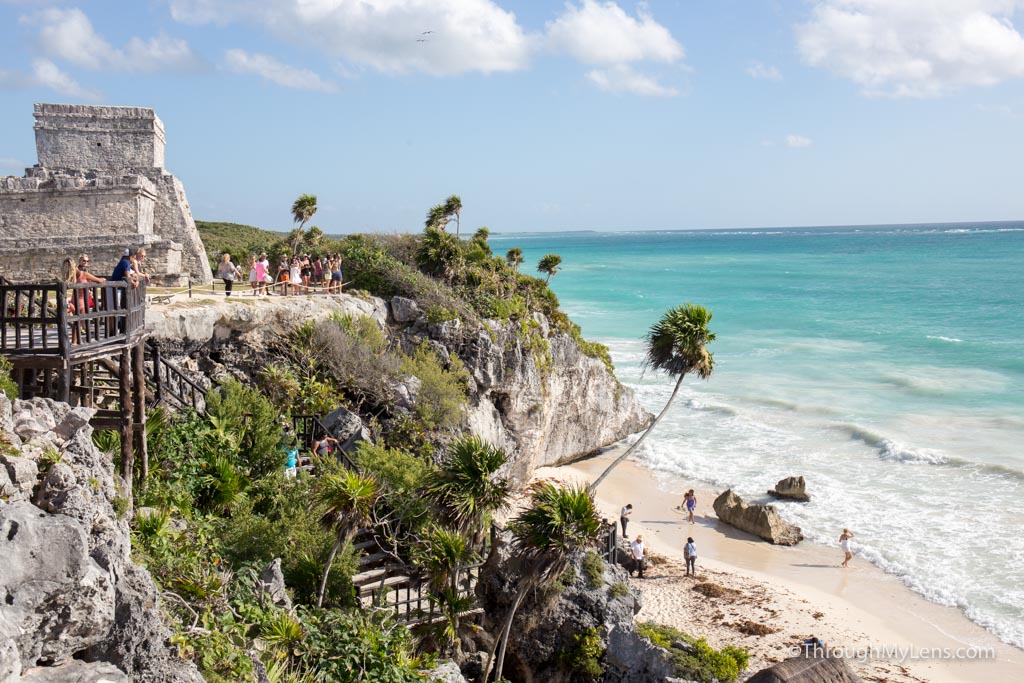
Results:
[82, 344]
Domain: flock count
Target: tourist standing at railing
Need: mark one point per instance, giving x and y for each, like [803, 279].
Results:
[228, 271]
[84, 276]
[123, 271]
[254, 279]
[76, 301]
[139, 263]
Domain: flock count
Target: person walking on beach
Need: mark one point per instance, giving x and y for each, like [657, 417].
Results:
[690, 554]
[690, 503]
[624, 517]
[638, 551]
[844, 543]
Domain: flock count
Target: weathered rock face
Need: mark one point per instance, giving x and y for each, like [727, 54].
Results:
[545, 407]
[69, 589]
[347, 428]
[760, 520]
[791, 488]
[540, 398]
[546, 624]
[272, 582]
[807, 670]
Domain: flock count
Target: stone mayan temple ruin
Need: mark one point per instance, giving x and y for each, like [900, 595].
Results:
[100, 187]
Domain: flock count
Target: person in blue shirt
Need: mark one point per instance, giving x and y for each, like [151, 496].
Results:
[123, 269]
[690, 553]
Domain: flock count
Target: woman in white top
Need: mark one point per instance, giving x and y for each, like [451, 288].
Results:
[844, 543]
[227, 271]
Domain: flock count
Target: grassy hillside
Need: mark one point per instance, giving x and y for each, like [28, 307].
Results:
[237, 239]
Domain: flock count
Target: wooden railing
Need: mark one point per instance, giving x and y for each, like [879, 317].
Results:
[58, 319]
[169, 383]
[412, 601]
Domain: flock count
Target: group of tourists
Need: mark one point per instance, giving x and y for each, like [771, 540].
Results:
[639, 553]
[292, 275]
[130, 268]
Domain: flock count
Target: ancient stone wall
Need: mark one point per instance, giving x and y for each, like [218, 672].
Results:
[70, 136]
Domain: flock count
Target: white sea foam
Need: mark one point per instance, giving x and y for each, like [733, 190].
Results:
[939, 337]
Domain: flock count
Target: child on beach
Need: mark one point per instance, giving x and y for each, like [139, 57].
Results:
[690, 504]
[690, 554]
[844, 543]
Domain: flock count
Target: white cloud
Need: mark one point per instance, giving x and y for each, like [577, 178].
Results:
[269, 68]
[48, 75]
[915, 48]
[763, 72]
[465, 35]
[602, 33]
[69, 36]
[798, 141]
[622, 78]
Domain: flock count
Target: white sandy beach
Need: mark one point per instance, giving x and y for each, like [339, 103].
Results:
[797, 591]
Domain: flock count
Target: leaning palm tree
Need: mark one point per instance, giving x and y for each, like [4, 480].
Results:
[676, 344]
[348, 500]
[558, 522]
[303, 209]
[549, 264]
[466, 488]
[514, 257]
[453, 207]
[437, 217]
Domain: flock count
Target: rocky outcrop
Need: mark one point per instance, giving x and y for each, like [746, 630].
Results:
[273, 586]
[807, 670]
[70, 591]
[760, 520]
[533, 393]
[538, 395]
[347, 428]
[791, 488]
[545, 632]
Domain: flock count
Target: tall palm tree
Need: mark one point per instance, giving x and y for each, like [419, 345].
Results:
[549, 264]
[303, 209]
[676, 344]
[558, 522]
[465, 488]
[348, 499]
[443, 555]
[514, 257]
[453, 207]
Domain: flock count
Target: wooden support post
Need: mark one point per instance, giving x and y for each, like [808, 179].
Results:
[125, 395]
[139, 388]
[158, 378]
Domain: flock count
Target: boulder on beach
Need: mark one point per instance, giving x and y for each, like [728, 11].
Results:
[791, 488]
[807, 670]
[760, 520]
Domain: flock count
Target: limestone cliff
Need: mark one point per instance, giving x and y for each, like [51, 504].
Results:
[74, 607]
[537, 394]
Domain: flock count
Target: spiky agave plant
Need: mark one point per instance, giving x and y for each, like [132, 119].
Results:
[676, 345]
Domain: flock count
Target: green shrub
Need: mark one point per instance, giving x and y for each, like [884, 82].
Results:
[251, 424]
[700, 662]
[349, 646]
[440, 314]
[583, 656]
[7, 385]
[593, 569]
[442, 396]
[618, 590]
[365, 370]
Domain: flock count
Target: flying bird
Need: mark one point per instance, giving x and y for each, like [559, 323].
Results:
[426, 32]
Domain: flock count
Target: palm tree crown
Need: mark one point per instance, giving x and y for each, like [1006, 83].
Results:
[549, 263]
[465, 487]
[453, 207]
[514, 257]
[303, 209]
[348, 500]
[677, 345]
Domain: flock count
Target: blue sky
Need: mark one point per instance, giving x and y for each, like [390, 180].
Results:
[585, 114]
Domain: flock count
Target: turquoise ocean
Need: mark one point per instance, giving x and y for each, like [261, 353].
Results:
[883, 363]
